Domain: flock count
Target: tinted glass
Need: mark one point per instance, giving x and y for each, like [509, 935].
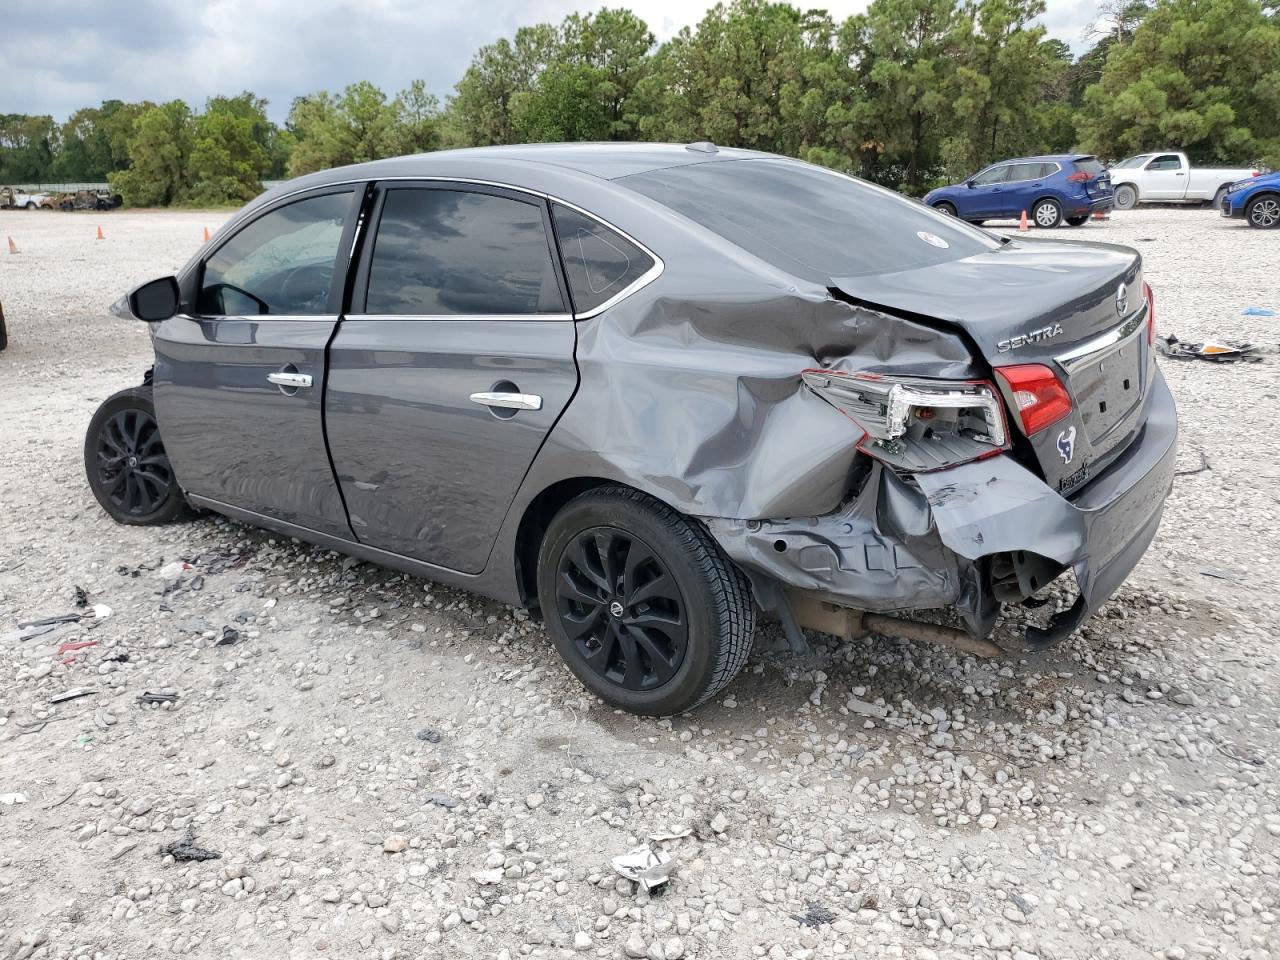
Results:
[279, 265]
[1168, 161]
[994, 175]
[1025, 171]
[1089, 165]
[809, 221]
[1048, 169]
[446, 252]
[598, 262]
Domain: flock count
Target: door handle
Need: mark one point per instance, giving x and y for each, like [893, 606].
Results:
[508, 401]
[282, 378]
[1179, 174]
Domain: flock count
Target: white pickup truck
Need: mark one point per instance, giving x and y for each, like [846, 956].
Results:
[1169, 178]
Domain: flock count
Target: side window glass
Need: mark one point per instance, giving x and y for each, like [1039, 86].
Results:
[994, 175]
[280, 265]
[599, 262]
[1167, 162]
[449, 252]
[1047, 170]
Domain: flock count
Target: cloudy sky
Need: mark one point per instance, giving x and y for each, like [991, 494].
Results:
[59, 55]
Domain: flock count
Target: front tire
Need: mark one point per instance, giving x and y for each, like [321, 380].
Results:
[1047, 213]
[1263, 212]
[943, 207]
[1126, 197]
[126, 464]
[641, 603]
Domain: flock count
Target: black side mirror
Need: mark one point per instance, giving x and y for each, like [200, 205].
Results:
[969, 184]
[152, 302]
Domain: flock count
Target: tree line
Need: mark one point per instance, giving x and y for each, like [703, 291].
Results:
[910, 94]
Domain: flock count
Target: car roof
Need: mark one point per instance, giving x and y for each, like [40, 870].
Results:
[1045, 156]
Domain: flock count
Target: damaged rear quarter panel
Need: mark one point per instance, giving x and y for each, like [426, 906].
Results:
[690, 389]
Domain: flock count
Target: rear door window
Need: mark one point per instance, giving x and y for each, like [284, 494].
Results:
[1024, 171]
[445, 252]
[599, 263]
[280, 265]
[810, 221]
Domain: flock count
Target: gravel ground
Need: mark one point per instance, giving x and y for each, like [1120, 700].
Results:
[393, 769]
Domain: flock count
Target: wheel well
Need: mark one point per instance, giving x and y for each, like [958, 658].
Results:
[1264, 193]
[1047, 196]
[534, 523]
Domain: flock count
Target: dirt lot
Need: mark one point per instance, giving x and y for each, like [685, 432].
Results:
[393, 769]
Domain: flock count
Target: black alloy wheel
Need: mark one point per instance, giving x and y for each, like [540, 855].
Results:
[641, 603]
[620, 606]
[1264, 212]
[126, 464]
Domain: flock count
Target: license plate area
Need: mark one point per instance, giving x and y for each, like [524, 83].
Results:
[1107, 385]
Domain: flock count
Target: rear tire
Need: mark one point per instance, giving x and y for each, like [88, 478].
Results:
[1077, 221]
[1047, 213]
[126, 464]
[944, 207]
[641, 603]
[1263, 212]
[1126, 197]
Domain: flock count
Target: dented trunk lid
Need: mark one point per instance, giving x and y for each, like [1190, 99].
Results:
[1075, 307]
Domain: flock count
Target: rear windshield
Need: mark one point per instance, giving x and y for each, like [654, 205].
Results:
[1089, 165]
[809, 221]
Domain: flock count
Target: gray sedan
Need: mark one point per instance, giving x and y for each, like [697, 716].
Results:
[653, 391]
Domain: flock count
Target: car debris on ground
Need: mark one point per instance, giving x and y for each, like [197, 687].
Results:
[648, 865]
[185, 849]
[1215, 351]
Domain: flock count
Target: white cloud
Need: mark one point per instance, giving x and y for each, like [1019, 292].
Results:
[59, 55]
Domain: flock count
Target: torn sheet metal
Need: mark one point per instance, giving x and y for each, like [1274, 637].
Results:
[1215, 351]
[646, 865]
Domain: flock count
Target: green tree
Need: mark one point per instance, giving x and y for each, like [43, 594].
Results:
[95, 140]
[999, 82]
[1200, 75]
[27, 147]
[906, 50]
[615, 45]
[333, 131]
[417, 119]
[480, 111]
[229, 151]
[158, 154]
[737, 80]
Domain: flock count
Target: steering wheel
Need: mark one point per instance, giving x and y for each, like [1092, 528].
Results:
[306, 288]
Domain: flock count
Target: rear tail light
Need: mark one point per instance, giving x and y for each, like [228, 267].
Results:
[1079, 178]
[915, 424]
[1039, 395]
[1151, 312]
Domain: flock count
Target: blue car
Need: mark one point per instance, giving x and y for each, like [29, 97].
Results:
[1257, 200]
[1067, 187]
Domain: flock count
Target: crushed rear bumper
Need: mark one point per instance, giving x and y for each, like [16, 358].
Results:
[970, 536]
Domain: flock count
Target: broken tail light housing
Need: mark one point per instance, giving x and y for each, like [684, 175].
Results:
[1151, 312]
[1038, 394]
[915, 424]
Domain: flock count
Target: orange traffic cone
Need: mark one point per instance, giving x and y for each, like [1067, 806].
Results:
[1022, 223]
[13, 247]
[100, 236]
[206, 234]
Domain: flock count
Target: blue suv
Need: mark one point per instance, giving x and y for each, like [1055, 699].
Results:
[1066, 187]
[1256, 199]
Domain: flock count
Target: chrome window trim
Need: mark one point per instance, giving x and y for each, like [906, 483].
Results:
[1087, 351]
[467, 317]
[646, 278]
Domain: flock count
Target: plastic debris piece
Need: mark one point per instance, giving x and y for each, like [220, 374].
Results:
[72, 694]
[1257, 312]
[185, 850]
[1219, 574]
[815, 915]
[229, 636]
[9, 799]
[678, 834]
[1216, 351]
[648, 866]
[428, 735]
[73, 646]
[148, 696]
[80, 598]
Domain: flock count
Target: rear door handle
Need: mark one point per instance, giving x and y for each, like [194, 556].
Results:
[284, 379]
[508, 401]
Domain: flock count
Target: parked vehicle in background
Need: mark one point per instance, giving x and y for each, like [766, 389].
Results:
[1168, 177]
[11, 198]
[82, 200]
[1256, 199]
[1050, 189]
[588, 378]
